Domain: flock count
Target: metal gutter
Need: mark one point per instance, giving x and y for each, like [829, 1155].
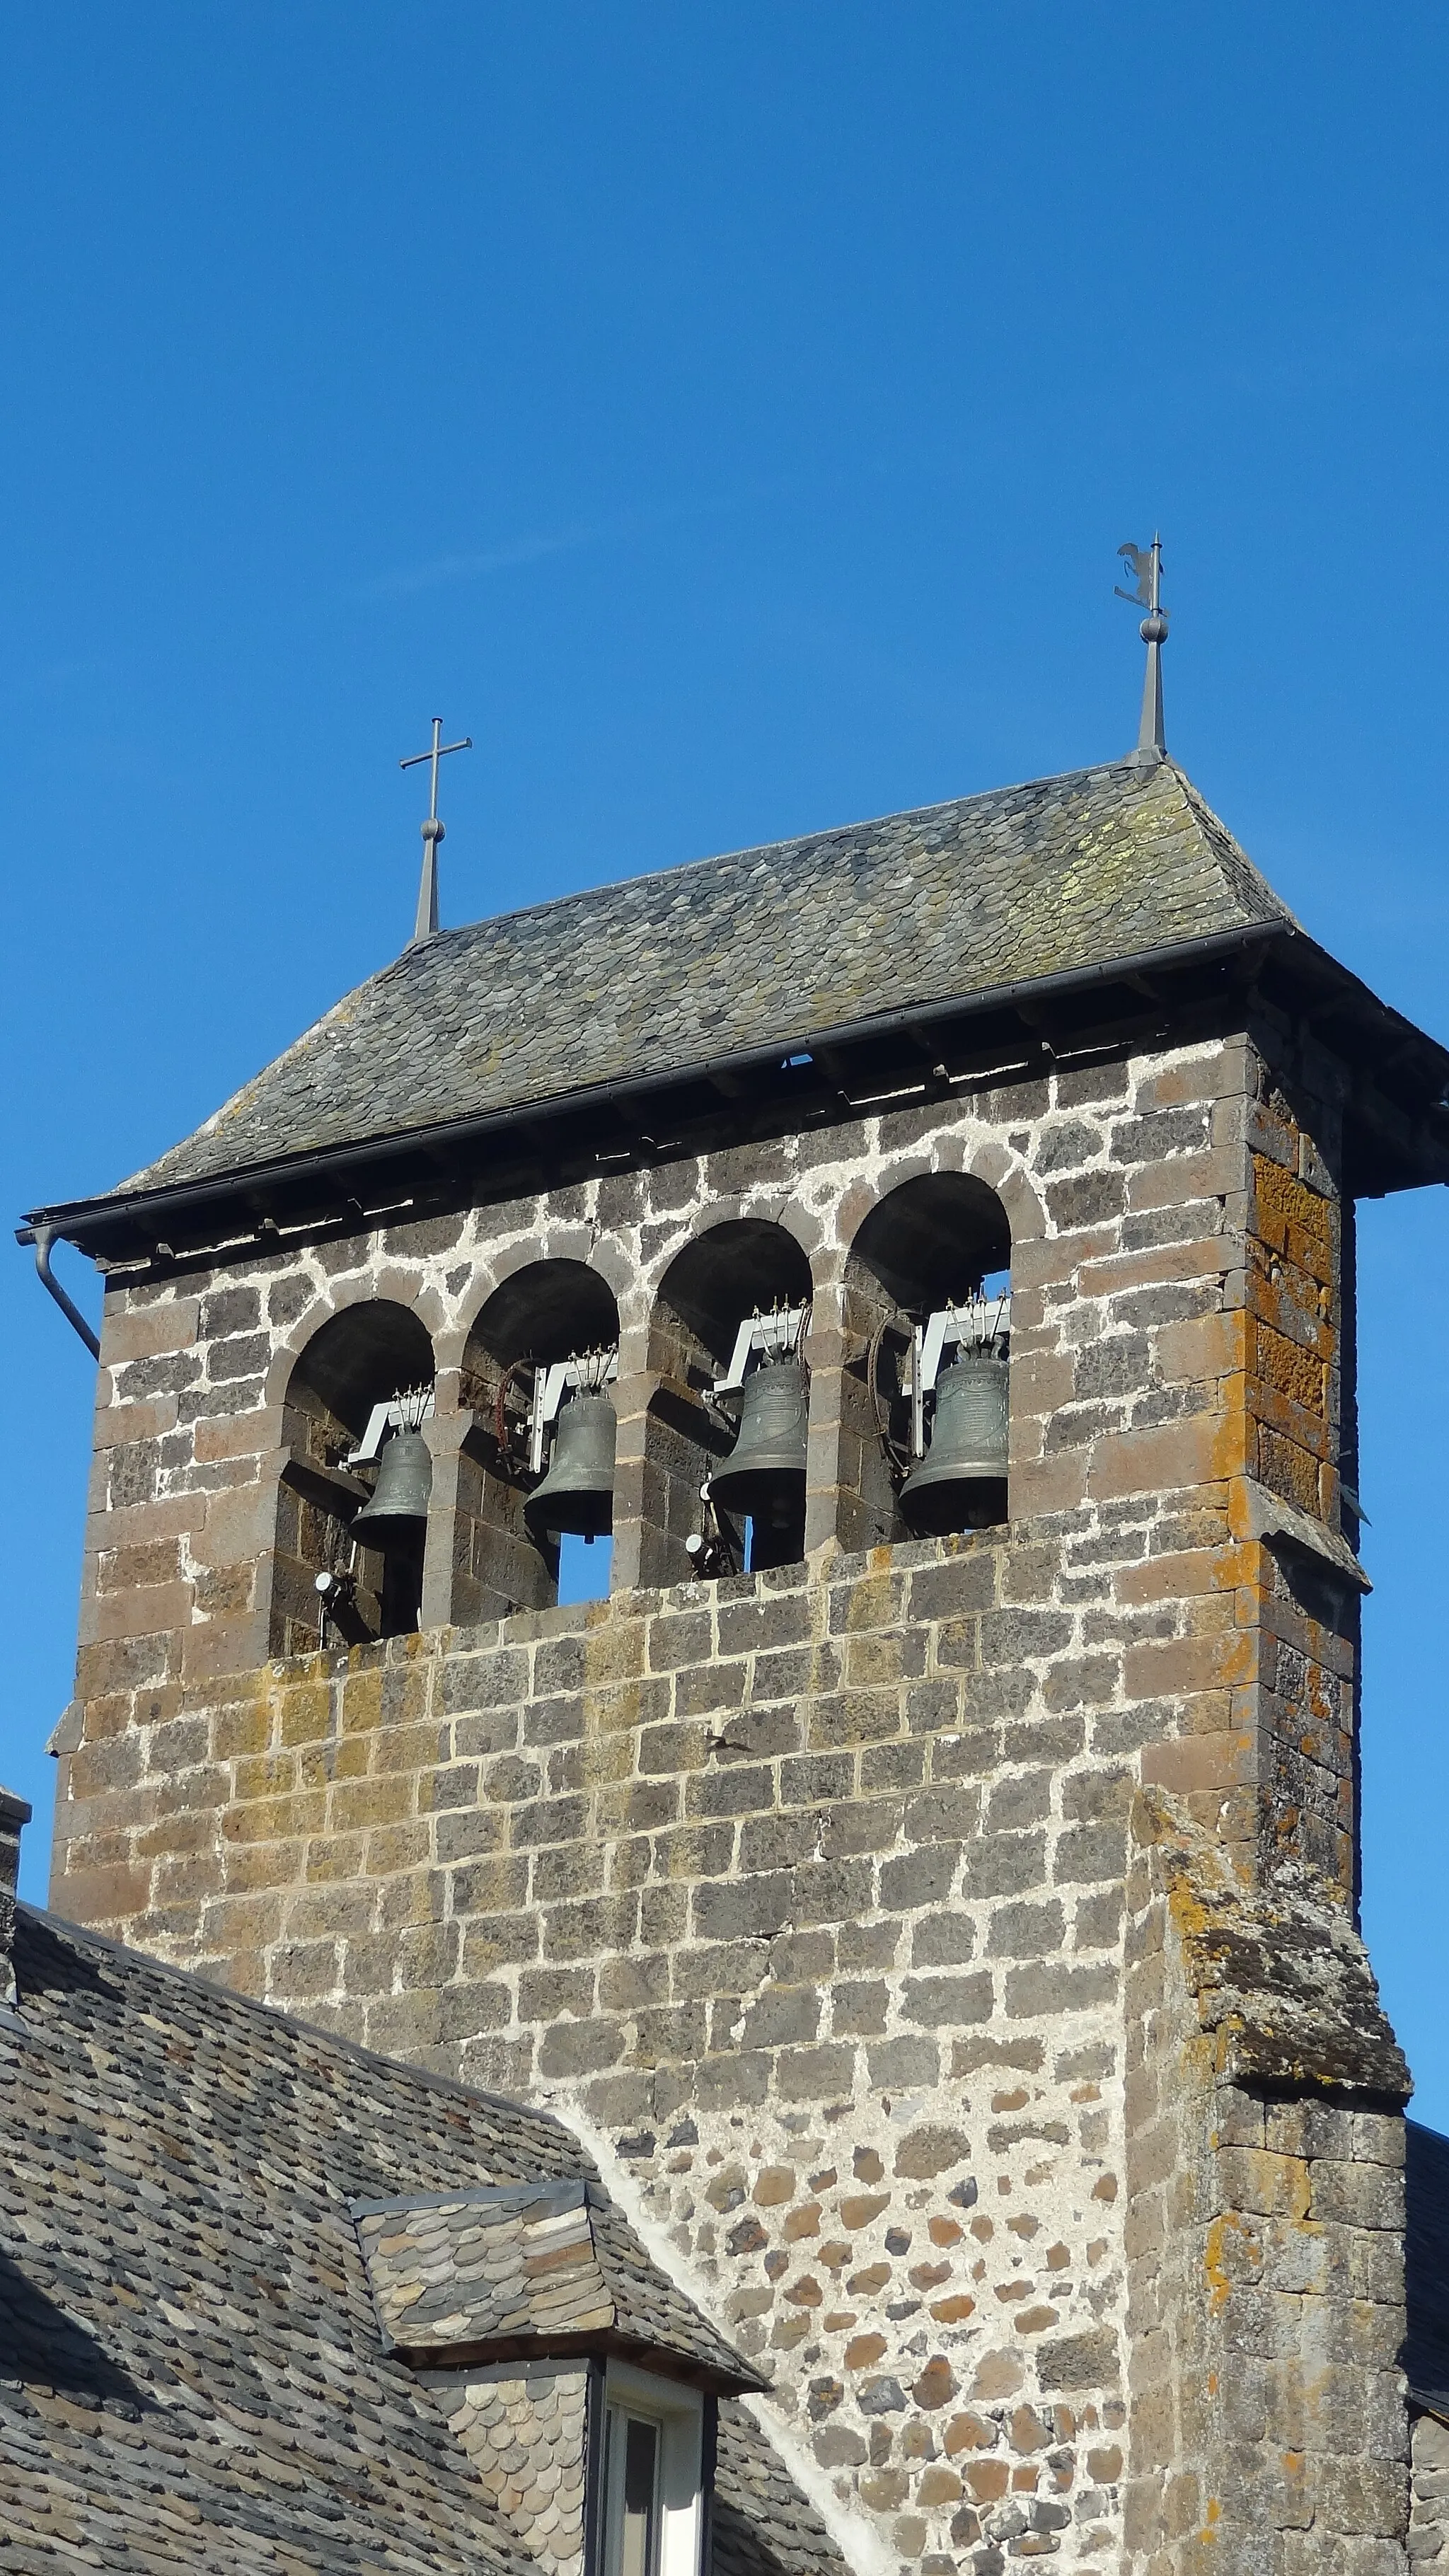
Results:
[73, 1218]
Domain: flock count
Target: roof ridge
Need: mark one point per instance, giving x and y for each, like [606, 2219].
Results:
[1227, 850]
[754, 850]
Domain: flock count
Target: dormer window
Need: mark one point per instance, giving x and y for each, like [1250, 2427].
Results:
[580, 2381]
[653, 2476]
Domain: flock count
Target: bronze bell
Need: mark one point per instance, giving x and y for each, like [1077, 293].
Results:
[763, 1478]
[397, 1514]
[961, 1481]
[577, 1494]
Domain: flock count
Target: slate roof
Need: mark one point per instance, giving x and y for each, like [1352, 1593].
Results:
[766, 948]
[191, 2368]
[522, 2265]
[1426, 2266]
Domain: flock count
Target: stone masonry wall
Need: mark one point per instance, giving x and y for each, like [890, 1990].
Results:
[1144, 1244]
[1429, 2518]
[804, 1890]
[1264, 2251]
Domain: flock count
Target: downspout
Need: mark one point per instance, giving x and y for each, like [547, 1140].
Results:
[43, 1236]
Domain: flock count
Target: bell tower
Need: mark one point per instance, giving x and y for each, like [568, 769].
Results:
[919, 1258]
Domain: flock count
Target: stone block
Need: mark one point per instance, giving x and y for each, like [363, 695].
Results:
[947, 2003]
[1056, 1986]
[1026, 1931]
[1006, 1865]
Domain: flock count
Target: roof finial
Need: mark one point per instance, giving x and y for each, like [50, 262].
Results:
[427, 920]
[1146, 563]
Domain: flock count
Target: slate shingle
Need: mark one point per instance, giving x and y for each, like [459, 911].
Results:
[191, 2368]
[766, 947]
[1426, 2267]
[527, 2262]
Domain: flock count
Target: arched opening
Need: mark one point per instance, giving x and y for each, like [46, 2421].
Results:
[736, 1272]
[369, 1355]
[938, 1247]
[535, 1498]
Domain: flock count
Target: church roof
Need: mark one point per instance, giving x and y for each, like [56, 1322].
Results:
[807, 979]
[193, 2371]
[767, 948]
[1426, 2267]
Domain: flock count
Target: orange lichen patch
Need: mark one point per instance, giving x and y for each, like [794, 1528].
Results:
[1289, 1368]
[1292, 1219]
[1229, 2236]
[1287, 1469]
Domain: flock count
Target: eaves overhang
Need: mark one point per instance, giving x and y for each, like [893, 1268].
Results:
[807, 1076]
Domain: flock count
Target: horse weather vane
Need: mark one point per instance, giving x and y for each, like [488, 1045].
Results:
[427, 920]
[1146, 563]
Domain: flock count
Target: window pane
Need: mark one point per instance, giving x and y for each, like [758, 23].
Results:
[641, 2471]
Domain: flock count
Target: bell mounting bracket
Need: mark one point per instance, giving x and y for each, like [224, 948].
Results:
[767, 1334]
[397, 1415]
[586, 1376]
[974, 1326]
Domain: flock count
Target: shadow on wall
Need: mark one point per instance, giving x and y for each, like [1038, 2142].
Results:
[359, 1359]
[920, 1438]
[725, 1278]
[929, 1248]
[515, 1521]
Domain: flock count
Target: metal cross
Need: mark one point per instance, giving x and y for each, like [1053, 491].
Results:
[427, 920]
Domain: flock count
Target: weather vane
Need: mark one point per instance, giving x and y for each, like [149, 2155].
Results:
[1146, 563]
[427, 920]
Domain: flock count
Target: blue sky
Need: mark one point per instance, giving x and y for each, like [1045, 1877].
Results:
[728, 417]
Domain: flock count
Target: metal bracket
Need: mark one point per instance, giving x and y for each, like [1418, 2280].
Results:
[387, 1417]
[548, 1394]
[778, 1331]
[982, 1322]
